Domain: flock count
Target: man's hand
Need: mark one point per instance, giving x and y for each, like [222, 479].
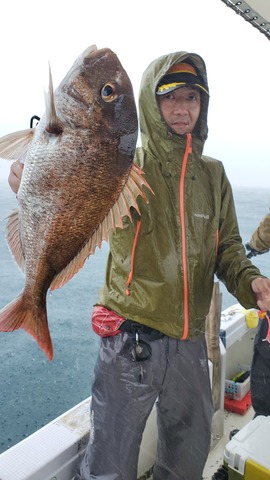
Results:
[15, 175]
[261, 289]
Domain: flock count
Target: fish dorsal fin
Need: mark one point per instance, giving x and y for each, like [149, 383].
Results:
[114, 219]
[53, 124]
[14, 240]
[14, 145]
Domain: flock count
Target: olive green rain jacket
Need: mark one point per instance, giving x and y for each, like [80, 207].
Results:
[161, 267]
[260, 239]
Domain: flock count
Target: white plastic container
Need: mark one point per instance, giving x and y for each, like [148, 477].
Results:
[237, 390]
[233, 325]
[247, 455]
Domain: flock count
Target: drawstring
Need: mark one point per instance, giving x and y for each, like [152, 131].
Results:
[167, 350]
[183, 230]
[129, 280]
[217, 242]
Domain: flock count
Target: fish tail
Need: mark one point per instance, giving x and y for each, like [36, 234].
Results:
[17, 314]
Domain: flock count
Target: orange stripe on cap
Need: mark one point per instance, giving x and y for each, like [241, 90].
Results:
[182, 68]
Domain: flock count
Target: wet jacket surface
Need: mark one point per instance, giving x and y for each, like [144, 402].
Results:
[161, 267]
[260, 239]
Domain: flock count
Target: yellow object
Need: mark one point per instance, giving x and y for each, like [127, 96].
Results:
[254, 471]
[247, 453]
[237, 376]
[252, 319]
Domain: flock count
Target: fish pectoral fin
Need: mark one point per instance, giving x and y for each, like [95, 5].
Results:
[14, 145]
[133, 188]
[127, 199]
[16, 315]
[14, 239]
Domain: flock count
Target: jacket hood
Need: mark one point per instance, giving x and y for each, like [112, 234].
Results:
[154, 129]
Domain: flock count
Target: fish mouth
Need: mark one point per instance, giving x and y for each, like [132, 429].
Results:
[92, 55]
[86, 54]
[89, 50]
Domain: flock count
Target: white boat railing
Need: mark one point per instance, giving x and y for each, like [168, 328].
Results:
[54, 451]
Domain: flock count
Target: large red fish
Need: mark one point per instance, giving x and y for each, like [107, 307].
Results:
[79, 180]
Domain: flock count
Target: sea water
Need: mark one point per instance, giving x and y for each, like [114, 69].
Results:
[33, 391]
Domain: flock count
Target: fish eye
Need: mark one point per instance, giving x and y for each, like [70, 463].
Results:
[108, 92]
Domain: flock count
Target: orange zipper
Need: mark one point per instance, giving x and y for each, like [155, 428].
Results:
[183, 231]
[129, 280]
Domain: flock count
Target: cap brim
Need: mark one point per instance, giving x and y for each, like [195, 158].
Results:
[163, 89]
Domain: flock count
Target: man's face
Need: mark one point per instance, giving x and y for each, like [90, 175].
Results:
[180, 109]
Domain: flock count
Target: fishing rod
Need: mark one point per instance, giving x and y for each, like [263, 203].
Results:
[253, 252]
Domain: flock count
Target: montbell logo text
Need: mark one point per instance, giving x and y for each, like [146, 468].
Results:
[201, 215]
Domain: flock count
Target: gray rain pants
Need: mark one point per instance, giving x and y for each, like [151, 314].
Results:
[176, 376]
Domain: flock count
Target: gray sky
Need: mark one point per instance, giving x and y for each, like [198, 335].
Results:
[236, 56]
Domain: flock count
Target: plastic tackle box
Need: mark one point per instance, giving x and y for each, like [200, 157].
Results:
[247, 455]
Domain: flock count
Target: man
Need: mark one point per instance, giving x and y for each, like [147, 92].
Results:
[151, 310]
[260, 366]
